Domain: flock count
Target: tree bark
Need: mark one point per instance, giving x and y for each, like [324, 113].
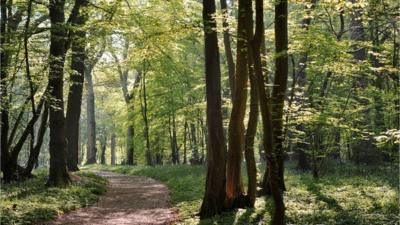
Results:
[5, 155]
[214, 196]
[249, 142]
[195, 151]
[184, 143]
[91, 121]
[149, 157]
[34, 154]
[58, 174]
[113, 144]
[75, 90]
[265, 108]
[103, 146]
[228, 50]
[234, 183]
[128, 98]
[280, 83]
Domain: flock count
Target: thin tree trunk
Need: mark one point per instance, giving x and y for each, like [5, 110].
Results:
[228, 49]
[214, 196]
[34, 154]
[113, 144]
[149, 159]
[185, 134]
[103, 145]
[174, 140]
[195, 151]
[91, 121]
[249, 142]
[130, 145]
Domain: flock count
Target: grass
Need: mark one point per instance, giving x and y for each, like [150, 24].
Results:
[345, 195]
[31, 202]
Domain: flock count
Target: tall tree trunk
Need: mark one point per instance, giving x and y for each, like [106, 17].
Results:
[103, 146]
[195, 151]
[214, 196]
[185, 134]
[130, 145]
[249, 142]
[265, 108]
[58, 174]
[91, 121]
[128, 97]
[228, 50]
[280, 83]
[113, 144]
[149, 157]
[75, 90]
[234, 183]
[174, 140]
[5, 155]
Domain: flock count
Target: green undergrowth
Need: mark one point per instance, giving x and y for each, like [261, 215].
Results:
[31, 202]
[344, 196]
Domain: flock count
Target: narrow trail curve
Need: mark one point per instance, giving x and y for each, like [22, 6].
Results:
[132, 200]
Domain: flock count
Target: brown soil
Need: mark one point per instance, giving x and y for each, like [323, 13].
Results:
[133, 200]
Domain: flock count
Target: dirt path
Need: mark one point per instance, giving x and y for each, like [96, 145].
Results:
[133, 200]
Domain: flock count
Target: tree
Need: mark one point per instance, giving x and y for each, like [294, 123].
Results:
[78, 44]
[272, 170]
[234, 183]
[214, 196]
[90, 106]
[280, 83]
[128, 98]
[58, 174]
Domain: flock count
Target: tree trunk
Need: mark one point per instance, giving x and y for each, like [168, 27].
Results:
[175, 141]
[129, 145]
[5, 155]
[249, 142]
[149, 158]
[58, 174]
[195, 151]
[201, 137]
[214, 196]
[103, 146]
[265, 108]
[184, 143]
[228, 50]
[113, 144]
[280, 84]
[128, 97]
[34, 154]
[234, 183]
[75, 92]
[91, 121]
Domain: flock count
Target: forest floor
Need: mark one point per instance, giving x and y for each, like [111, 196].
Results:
[134, 200]
[31, 202]
[346, 194]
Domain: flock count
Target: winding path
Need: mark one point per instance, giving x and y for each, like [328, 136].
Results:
[132, 200]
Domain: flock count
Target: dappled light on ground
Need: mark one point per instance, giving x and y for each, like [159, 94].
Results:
[344, 196]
